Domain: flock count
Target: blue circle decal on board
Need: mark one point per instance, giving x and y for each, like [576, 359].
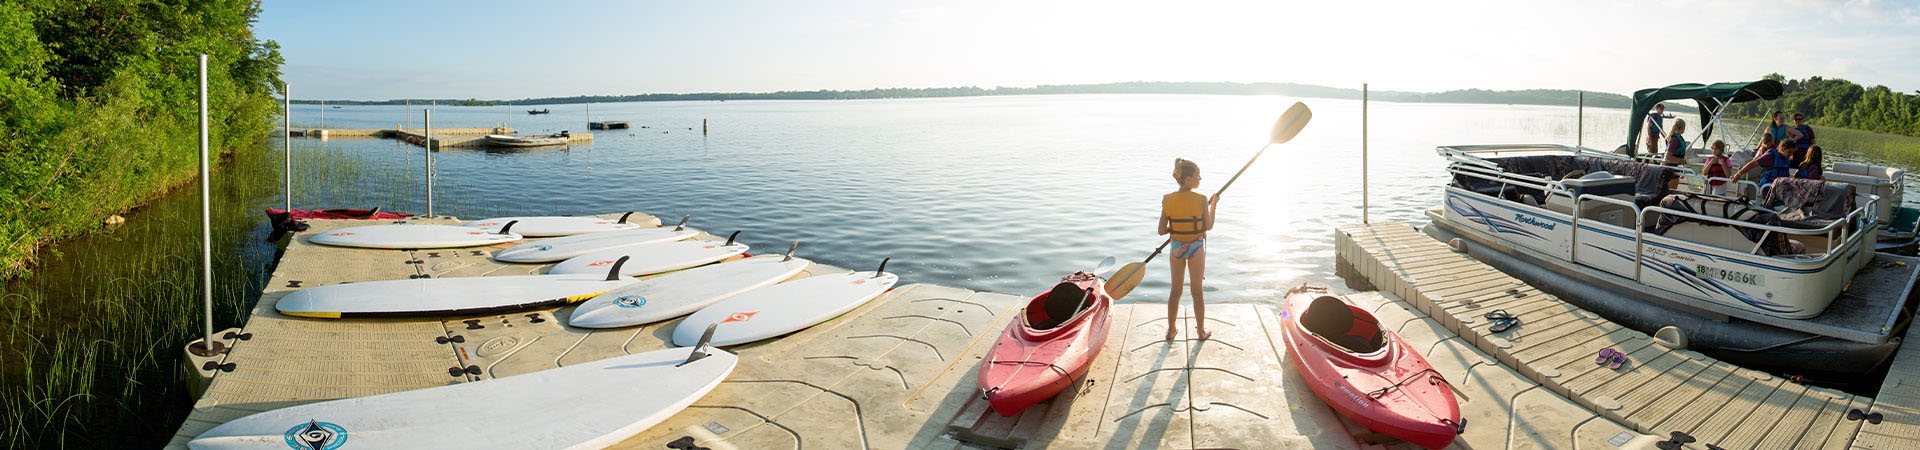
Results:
[630, 301]
[316, 435]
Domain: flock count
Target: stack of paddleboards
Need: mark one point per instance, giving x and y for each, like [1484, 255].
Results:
[784, 308]
[443, 296]
[471, 234]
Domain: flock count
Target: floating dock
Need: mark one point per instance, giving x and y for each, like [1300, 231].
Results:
[1660, 392]
[895, 373]
[609, 125]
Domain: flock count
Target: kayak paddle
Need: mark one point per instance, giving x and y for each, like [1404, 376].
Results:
[1290, 123]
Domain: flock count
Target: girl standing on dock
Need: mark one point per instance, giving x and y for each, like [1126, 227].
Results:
[1187, 215]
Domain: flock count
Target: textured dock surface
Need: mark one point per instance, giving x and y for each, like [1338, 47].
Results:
[1659, 392]
[895, 373]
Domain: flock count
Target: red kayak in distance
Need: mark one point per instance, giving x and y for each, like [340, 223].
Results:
[1367, 373]
[1051, 345]
[336, 213]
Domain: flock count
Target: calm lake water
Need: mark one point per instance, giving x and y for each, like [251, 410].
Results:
[1001, 194]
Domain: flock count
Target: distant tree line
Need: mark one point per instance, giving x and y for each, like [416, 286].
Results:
[1840, 103]
[1522, 97]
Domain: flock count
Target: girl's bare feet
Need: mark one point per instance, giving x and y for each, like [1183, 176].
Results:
[1172, 331]
[1204, 335]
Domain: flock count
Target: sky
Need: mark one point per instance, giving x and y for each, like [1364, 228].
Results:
[376, 50]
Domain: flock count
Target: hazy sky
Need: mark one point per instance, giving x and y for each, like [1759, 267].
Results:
[370, 50]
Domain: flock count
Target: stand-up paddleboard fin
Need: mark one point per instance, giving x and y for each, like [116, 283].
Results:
[700, 349]
[883, 267]
[730, 238]
[613, 274]
[683, 222]
[623, 217]
[509, 226]
[796, 244]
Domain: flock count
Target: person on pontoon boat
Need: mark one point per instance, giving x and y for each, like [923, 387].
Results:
[1772, 161]
[1655, 127]
[1717, 166]
[1779, 129]
[1677, 144]
[1806, 131]
[1809, 166]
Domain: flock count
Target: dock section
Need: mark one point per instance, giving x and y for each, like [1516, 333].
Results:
[895, 373]
[1661, 391]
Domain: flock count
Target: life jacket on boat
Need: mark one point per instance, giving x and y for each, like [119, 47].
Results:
[1186, 214]
[1780, 167]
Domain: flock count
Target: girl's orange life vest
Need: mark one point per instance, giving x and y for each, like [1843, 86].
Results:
[1186, 213]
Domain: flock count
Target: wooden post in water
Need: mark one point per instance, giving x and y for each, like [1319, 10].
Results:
[427, 142]
[1580, 122]
[286, 93]
[1363, 153]
[207, 347]
[589, 115]
[323, 114]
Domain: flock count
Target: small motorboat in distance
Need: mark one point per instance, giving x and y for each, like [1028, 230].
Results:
[1053, 343]
[539, 111]
[503, 140]
[1366, 372]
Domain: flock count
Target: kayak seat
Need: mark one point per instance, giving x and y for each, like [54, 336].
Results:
[1333, 320]
[1058, 305]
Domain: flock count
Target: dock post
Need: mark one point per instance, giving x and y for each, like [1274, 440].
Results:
[208, 347]
[323, 114]
[1363, 153]
[1580, 122]
[703, 127]
[286, 94]
[589, 114]
[427, 143]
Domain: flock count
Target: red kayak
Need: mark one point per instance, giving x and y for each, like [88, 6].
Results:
[1054, 342]
[1367, 373]
[336, 213]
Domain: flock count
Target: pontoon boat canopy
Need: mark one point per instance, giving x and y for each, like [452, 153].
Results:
[1711, 97]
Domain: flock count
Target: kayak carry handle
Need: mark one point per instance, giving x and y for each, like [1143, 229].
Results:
[883, 267]
[623, 217]
[796, 244]
[698, 349]
[735, 234]
[613, 274]
[509, 226]
[683, 222]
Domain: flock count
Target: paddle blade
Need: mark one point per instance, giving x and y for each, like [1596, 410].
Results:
[1104, 266]
[1290, 123]
[1127, 278]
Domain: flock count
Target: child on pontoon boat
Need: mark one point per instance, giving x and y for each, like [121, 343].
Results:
[1717, 166]
[1677, 144]
[1770, 159]
[1187, 215]
[1809, 167]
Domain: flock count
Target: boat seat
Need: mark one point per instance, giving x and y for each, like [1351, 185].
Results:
[1332, 320]
[1062, 303]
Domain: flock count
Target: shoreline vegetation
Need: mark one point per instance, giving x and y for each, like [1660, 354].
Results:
[98, 108]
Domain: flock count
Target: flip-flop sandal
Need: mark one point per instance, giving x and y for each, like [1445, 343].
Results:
[1504, 324]
[1498, 314]
[1618, 359]
[1606, 354]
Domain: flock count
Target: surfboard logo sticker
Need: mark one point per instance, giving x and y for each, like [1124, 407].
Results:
[488, 224]
[343, 233]
[476, 233]
[630, 301]
[860, 281]
[740, 317]
[710, 246]
[600, 263]
[316, 435]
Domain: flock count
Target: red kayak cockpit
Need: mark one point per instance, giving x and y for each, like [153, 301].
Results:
[1069, 300]
[1347, 328]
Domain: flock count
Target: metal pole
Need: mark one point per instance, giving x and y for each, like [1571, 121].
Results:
[286, 93]
[207, 347]
[1580, 122]
[1363, 153]
[323, 114]
[589, 113]
[428, 143]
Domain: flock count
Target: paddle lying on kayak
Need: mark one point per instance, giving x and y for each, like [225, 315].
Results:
[1289, 125]
[1367, 372]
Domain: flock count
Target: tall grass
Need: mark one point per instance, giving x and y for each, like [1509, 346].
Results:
[91, 350]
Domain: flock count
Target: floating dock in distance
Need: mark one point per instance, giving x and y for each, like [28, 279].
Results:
[610, 125]
[1660, 391]
[440, 141]
[895, 373]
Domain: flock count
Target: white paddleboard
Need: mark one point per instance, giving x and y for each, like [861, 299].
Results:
[560, 248]
[440, 296]
[591, 405]
[411, 236]
[557, 225]
[783, 308]
[651, 258]
[681, 293]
